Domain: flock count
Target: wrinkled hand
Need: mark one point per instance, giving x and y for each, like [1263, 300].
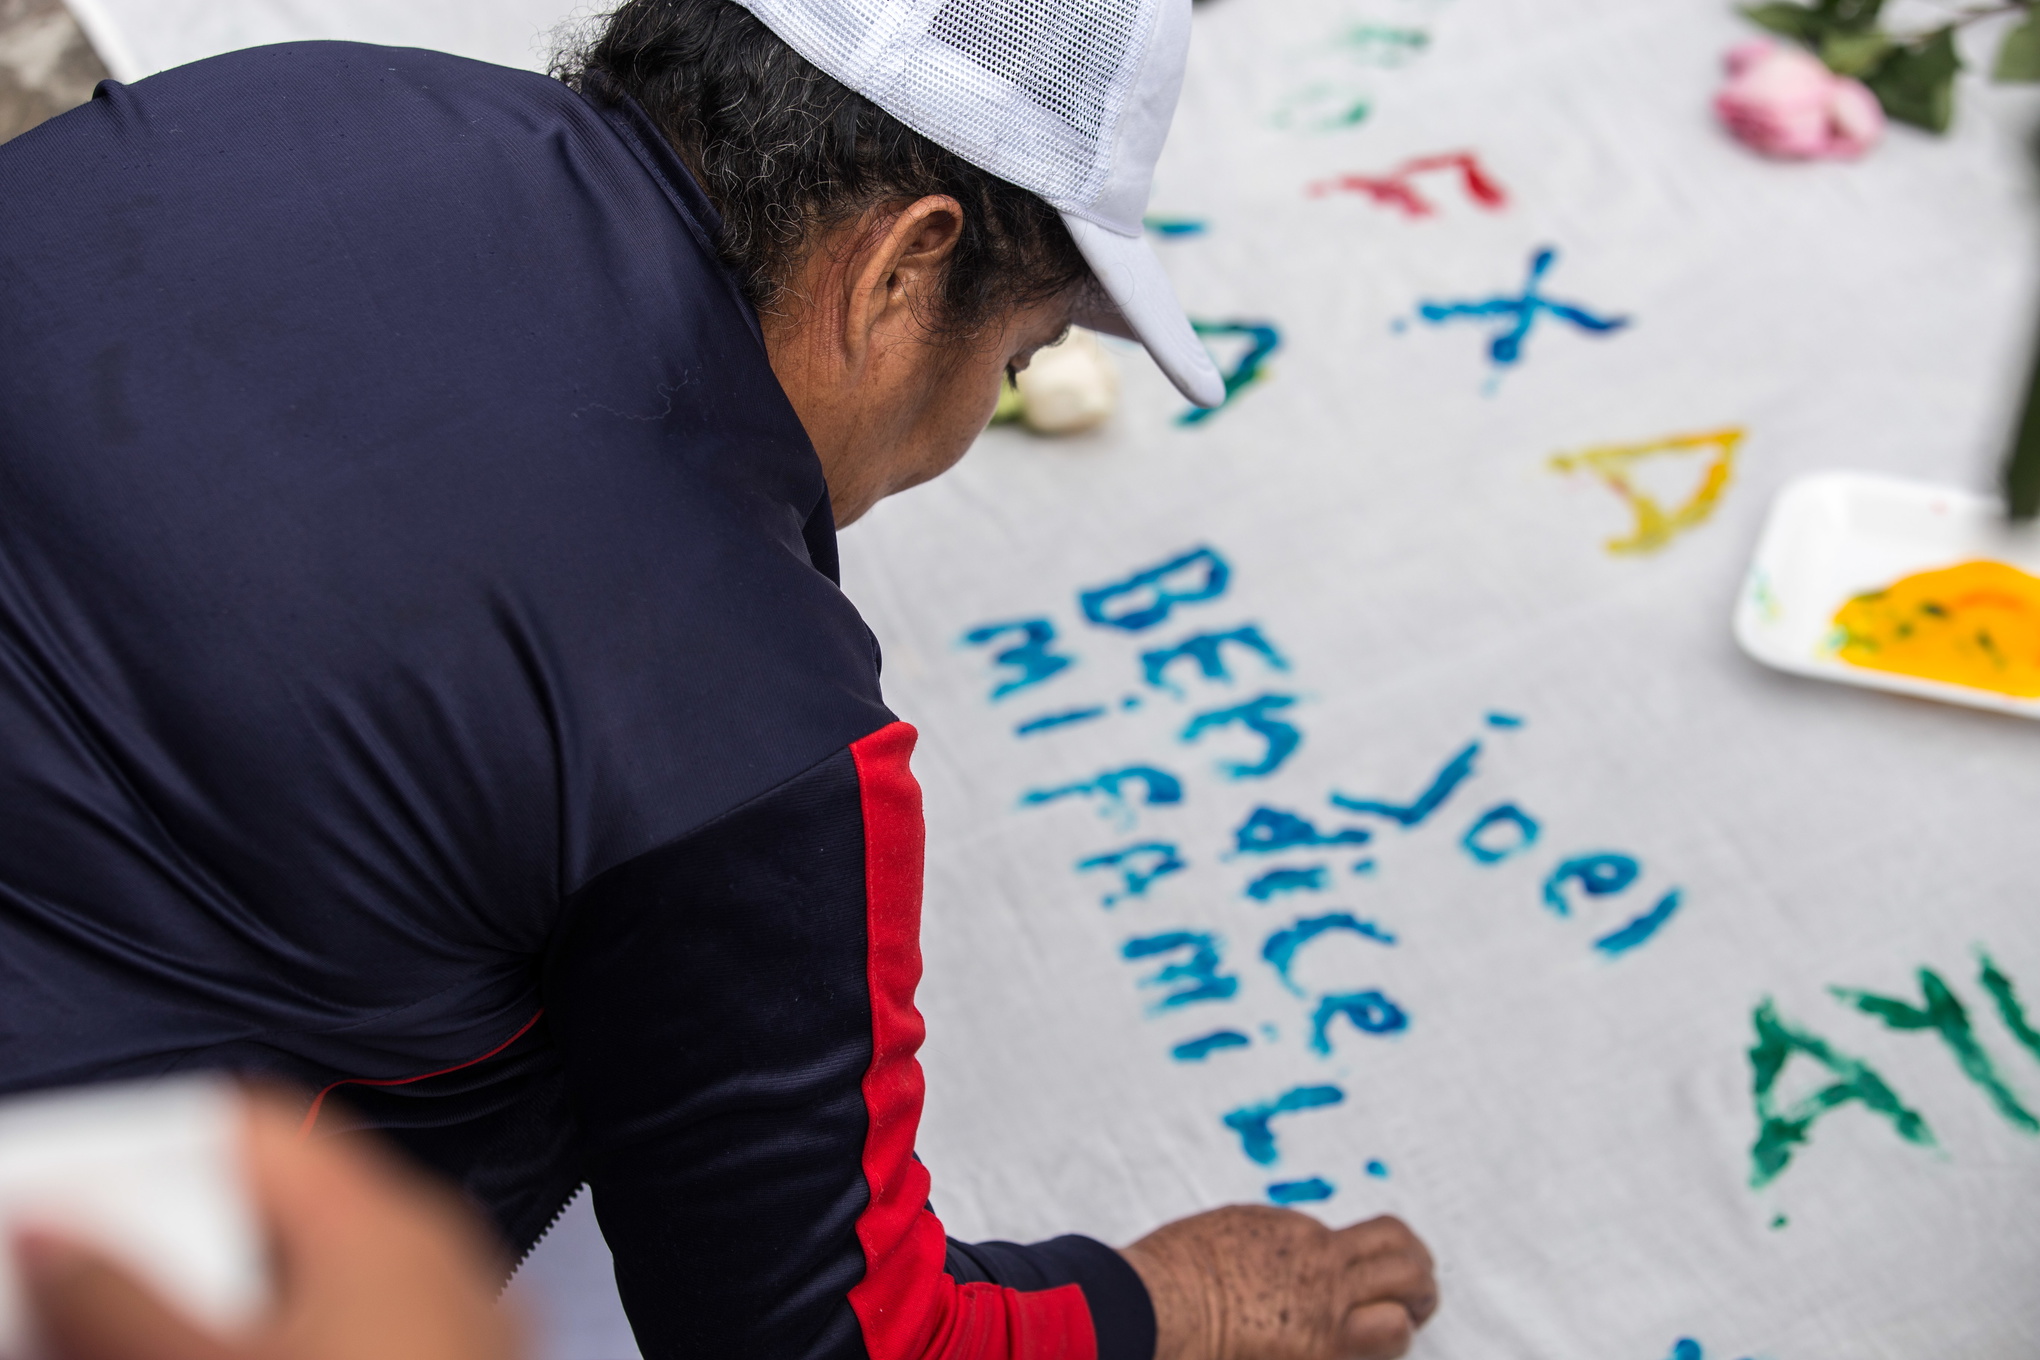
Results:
[372, 1263]
[1254, 1283]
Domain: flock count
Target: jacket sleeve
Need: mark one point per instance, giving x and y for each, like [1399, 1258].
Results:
[736, 1011]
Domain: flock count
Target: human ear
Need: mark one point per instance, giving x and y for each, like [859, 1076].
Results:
[896, 274]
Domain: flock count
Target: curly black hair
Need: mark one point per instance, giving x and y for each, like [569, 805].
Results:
[786, 153]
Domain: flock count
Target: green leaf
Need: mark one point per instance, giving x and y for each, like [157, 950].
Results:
[1851, 16]
[1792, 21]
[1916, 83]
[2019, 58]
[1854, 54]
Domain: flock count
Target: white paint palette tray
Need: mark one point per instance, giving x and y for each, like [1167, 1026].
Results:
[1833, 536]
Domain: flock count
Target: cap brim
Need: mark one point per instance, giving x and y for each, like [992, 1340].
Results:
[1144, 308]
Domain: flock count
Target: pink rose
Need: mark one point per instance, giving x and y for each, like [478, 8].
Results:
[1782, 101]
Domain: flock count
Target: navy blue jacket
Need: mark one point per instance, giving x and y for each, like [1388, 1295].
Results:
[423, 676]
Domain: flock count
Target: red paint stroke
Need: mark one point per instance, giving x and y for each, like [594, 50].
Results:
[1397, 190]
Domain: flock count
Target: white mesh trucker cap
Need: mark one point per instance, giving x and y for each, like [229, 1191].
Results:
[1069, 99]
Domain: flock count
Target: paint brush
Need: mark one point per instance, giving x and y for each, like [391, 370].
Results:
[2022, 468]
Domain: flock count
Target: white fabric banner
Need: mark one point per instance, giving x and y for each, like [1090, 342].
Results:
[1549, 1072]
[136, 38]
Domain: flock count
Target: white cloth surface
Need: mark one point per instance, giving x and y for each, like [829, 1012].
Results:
[136, 38]
[1571, 1131]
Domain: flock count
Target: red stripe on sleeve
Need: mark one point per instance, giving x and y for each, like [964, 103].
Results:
[908, 1306]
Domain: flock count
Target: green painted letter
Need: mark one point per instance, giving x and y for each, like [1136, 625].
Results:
[1943, 1013]
[2009, 1010]
[1779, 1132]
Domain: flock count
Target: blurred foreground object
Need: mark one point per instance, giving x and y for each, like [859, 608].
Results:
[1783, 102]
[152, 1173]
[1912, 72]
[1070, 387]
[46, 64]
[372, 1260]
[2022, 466]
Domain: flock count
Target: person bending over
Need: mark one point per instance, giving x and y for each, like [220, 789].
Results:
[424, 674]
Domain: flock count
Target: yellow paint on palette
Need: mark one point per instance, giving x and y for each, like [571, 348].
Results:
[1976, 625]
[1615, 465]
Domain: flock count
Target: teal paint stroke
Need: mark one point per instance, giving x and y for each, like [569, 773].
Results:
[1031, 659]
[1310, 1191]
[1624, 938]
[1941, 1011]
[1280, 737]
[1287, 880]
[1598, 875]
[1686, 1348]
[1207, 650]
[1157, 788]
[1148, 597]
[1480, 840]
[1140, 867]
[1455, 772]
[1262, 341]
[1782, 1131]
[1204, 1045]
[1519, 313]
[1270, 830]
[1252, 1122]
[2003, 991]
[1050, 721]
[1369, 1012]
[1190, 980]
[1280, 948]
